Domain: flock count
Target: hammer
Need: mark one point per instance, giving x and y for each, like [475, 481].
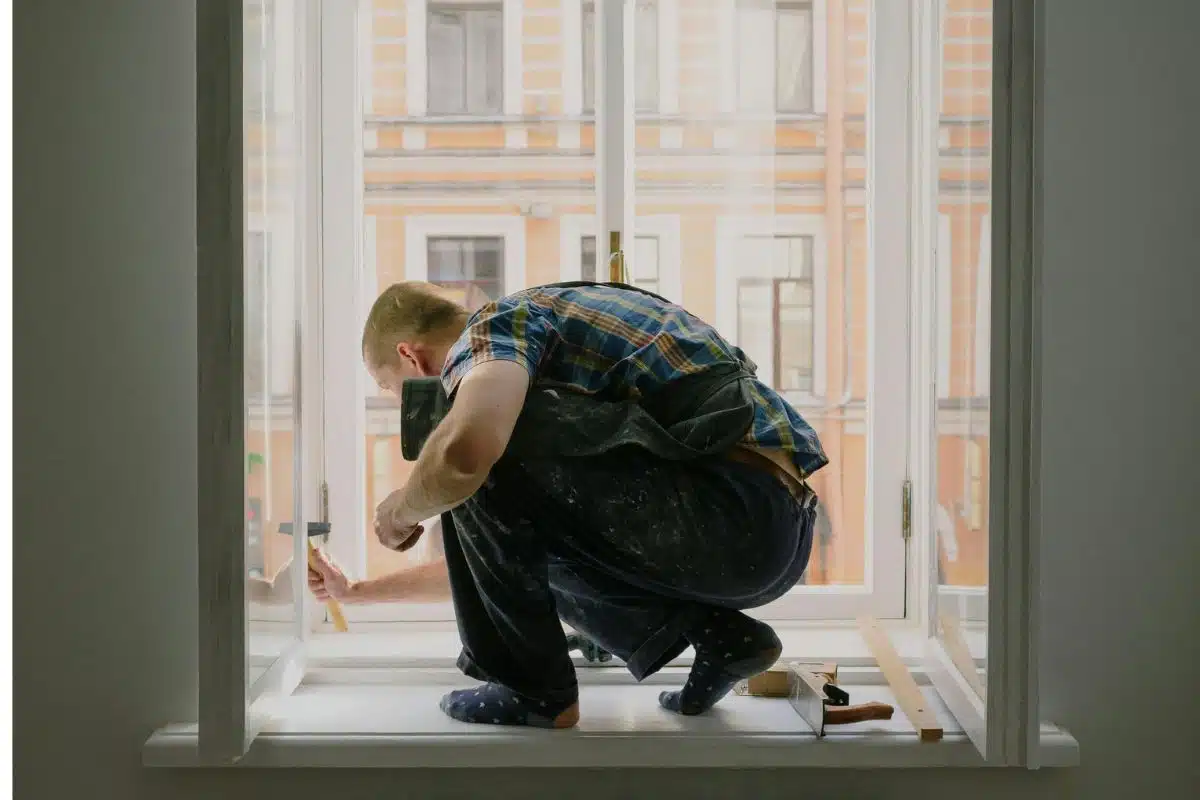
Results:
[316, 529]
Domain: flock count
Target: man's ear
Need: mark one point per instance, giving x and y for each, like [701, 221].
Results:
[419, 356]
[406, 354]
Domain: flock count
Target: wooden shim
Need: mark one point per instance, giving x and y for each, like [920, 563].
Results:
[908, 694]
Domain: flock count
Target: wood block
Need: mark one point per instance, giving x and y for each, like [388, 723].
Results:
[775, 683]
[908, 694]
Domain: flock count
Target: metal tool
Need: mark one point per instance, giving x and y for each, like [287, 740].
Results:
[820, 702]
[315, 530]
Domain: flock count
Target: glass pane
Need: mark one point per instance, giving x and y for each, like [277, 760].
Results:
[481, 206]
[963, 277]
[485, 61]
[588, 59]
[747, 208]
[271, 269]
[645, 75]
[756, 335]
[755, 57]
[793, 82]
[447, 53]
[587, 259]
[644, 269]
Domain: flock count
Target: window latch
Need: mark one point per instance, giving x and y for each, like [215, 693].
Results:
[616, 259]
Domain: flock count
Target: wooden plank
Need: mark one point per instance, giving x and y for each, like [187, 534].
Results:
[908, 694]
[960, 654]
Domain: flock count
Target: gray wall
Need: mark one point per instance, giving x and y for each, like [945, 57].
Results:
[105, 615]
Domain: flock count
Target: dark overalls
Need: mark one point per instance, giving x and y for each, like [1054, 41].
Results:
[625, 520]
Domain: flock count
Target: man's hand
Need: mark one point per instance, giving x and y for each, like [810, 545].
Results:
[327, 581]
[392, 529]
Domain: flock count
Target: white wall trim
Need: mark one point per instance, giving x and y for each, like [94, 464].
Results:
[416, 58]
[666, 227]
[418, 229]
[730, 230]
[572, 55]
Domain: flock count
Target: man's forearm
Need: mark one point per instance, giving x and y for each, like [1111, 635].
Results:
[428, 583]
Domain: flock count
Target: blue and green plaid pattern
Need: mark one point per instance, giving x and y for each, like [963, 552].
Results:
[618, 344]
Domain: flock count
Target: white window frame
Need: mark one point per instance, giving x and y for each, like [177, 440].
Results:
[420, 228]
[727, 48]
[416, 58]
[1008, 731]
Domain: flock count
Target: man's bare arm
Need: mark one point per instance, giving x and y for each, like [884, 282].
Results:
[465, 446]
[427, 583]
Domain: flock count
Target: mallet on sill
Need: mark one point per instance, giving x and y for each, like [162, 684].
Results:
[317, 529]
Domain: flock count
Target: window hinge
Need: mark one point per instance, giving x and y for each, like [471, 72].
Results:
[906, 510]
[324, 502]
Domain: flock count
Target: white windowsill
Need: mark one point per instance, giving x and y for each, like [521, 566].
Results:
[390, 718]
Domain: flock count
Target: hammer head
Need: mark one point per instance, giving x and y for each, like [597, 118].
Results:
[315, 529]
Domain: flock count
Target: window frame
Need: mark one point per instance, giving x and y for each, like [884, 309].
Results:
[730, 101]
[416, 62]
[465, 10]
[1010, 733]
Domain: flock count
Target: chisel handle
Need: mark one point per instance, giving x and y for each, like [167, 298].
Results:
[846, 715]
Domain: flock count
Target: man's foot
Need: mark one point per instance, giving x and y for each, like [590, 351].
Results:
[493, 704]
[729, 646]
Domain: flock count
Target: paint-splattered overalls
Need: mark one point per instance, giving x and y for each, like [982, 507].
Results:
[624, 520]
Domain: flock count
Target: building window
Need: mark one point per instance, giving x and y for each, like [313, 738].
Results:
[775, 314]
[778, 78]
[644, 265]
[645, 57]
[465, 49]
[472, 265]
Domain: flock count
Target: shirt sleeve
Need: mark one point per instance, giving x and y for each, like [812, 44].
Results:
[507, 330]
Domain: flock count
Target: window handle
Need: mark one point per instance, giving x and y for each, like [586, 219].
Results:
[616, 261]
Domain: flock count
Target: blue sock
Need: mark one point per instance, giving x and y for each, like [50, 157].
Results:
[494, 704]
[729, 646]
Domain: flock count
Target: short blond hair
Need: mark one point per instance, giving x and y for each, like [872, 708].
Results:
[410, 311]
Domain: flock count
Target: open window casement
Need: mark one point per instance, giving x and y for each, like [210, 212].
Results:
[982, 459]
[934, 189]
[256, 259]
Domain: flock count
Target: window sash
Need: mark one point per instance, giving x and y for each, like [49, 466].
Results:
[465, 51]
[778, 77]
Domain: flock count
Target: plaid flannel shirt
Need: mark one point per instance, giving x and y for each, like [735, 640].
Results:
[620, 345]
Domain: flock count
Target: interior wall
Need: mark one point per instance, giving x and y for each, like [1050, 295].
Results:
[104, 459]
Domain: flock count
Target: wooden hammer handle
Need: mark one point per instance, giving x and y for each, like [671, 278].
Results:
[335, 608]
[845, 715]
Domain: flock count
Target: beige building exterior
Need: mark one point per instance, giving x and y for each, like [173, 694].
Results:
[750, 177]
